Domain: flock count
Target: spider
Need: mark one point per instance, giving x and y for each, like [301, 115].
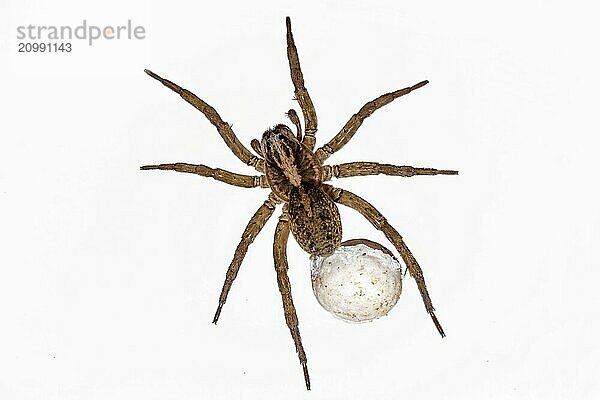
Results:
[295, 174]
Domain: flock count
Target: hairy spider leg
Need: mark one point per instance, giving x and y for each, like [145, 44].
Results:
[282, 232]
[300, 91]
[357, 119]
[360, 168]
[255, 225]
[245, 181]
[213, 116]
[351, 200]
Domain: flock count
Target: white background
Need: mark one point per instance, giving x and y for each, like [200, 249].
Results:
[109, 276]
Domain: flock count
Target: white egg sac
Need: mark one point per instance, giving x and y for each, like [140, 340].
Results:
[358, 282]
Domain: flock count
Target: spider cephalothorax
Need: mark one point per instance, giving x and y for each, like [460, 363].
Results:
[295, 173]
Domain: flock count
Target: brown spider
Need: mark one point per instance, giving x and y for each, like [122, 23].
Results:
[295, 174]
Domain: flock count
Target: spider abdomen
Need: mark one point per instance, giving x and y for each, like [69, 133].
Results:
[314, 220]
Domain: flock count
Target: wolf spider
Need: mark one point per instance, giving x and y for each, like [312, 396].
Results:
[295, 173]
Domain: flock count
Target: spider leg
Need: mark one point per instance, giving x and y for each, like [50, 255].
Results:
[351, 200]
[219, 174]
[347, 170]
[357, 119]
[308, 109]
[255, 225]
[282, 233]
[213, 116]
